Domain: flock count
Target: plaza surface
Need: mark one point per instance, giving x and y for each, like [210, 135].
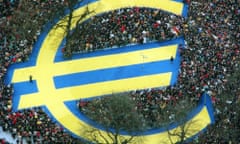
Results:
[59, 83]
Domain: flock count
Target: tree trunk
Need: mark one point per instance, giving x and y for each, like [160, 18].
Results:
[68, 53]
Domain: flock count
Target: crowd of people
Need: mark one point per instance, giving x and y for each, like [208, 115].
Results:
[226, 128]
[32, 125]
[210, 56]
[122, 27]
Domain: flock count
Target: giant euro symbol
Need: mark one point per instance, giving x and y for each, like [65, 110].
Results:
[57, 82]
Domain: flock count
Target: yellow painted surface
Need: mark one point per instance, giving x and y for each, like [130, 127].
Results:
[196, 124]
[94, 63]
[92, 90]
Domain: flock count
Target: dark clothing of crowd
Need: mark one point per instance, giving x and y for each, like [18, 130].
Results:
[126, 26]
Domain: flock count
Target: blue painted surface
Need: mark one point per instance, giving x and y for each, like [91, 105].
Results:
[208, 101]
[205, 100]
[185, 10]
[124, 49]
[22, 88]
[116, 73]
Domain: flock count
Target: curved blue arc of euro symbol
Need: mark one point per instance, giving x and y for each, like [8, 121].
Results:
[24, 87]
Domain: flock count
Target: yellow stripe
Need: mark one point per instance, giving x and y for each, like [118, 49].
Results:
[53, 40]
[100, 62]
[92, 90]
[166, 5]
[200, 121]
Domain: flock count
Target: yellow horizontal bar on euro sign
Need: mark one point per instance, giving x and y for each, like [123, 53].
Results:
[95, 63]
[93, 90]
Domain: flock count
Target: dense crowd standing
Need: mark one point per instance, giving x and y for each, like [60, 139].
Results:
[226, 128]
[127, 26]
[32, 125]
[211, 54]
[217, 45]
